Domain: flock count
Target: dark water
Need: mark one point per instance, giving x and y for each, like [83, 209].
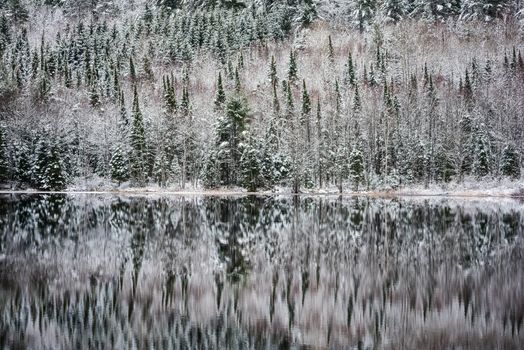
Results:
[104, 272]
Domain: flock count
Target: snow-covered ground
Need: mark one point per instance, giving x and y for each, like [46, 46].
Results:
[468, 188]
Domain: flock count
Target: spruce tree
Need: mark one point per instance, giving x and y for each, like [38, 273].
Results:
[356, 166]
[510, 162]
[55, 176]
[48, 167]
[250, 167]
[273, 72]
[119, 165]
[292, 72]
[162, 167]
[306, 111]
[393, 10]
[350, 71]
[132, 70]
[220, 98]
[211, 170]
[24, 171]
[482, 159]
[238, 86]
[362, 13]
[138, 157]
[3, 157]
[230, 131]
[331, 51]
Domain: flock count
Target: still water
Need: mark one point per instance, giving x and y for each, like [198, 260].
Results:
[111, 272]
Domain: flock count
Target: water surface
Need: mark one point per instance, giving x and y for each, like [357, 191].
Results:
[152, 272]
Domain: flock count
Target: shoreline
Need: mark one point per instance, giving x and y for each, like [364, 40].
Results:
[516, 193]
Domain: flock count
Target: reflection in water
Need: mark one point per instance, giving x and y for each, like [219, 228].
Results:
[89, 271]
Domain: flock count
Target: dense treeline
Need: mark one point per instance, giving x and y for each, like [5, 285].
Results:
[261, 94]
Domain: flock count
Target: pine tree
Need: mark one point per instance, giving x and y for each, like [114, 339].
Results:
[273, 72]
[482, 160]
[55, 177]
[148, 69]
[18, 11]
[24, 171]
[132, 70]
[306, 111]
[238, 86]
[393, 10]
[331, 51]
[220, 98]
[357, 104]
[350, 71]
[292, 67]
[48, 167]
[230, 130]
[119, 165]
[162, 167]
[510, 162]
[3, 157]
[362, 13]
[138, 157]
[250, 167]
[356, 166]
[309, 12]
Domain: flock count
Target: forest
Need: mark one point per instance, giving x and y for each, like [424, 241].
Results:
[260, 94]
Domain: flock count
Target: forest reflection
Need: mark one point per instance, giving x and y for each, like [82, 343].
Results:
[104, 271]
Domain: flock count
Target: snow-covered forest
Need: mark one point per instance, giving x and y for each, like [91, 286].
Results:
[302, 94]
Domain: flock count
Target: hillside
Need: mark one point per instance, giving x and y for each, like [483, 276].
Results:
[260, 94]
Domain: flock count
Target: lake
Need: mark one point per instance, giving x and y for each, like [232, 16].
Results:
[99, 271]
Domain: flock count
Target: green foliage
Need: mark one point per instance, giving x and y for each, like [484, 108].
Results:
[510, 162]
[356, 166]
[48, 171]
[138, 157]
[3, 157]
[482, 157]
[230, 129]
[119, 165]
[220, 98]
[292, 72]
[250, 165]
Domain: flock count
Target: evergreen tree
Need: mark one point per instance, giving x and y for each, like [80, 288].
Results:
[55, 177]
[132, 70]
[24, 171]
[230, 130]
[250, 166]
[356, 166]
[162, 167]
[18, 11]
[331, 51]
[309, 12]
[220, 98]
[273, 72]
[139, 153]
[306, 111]
[48, 167]
[362, 13]
[238, 86]
[483, 9]
[510, 162]
[3, 157]
[119, 165]
[350, 71]
[482, 160]
[211, 170]
[292, 67]
[393, 10]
